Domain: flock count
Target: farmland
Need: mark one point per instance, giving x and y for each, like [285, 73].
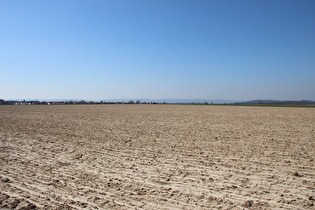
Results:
[157, 157]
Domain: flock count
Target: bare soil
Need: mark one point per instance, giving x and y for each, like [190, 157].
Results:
[156, 157]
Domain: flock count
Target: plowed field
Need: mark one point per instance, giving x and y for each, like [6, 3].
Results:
[156, 157]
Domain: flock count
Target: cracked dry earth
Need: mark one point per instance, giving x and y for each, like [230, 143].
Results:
[156, 157]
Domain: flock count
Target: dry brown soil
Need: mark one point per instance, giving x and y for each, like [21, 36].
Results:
[156, 157]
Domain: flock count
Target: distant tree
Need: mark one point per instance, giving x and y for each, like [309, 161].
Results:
[82, 102]
[138, 102]
[131, 102]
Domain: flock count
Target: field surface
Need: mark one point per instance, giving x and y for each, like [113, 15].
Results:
[156, 157]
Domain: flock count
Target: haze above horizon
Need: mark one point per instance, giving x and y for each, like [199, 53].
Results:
[211, 49]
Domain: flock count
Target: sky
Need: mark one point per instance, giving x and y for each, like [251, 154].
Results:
[157, 49]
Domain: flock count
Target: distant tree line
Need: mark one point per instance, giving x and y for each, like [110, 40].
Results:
[24, 102]
[67, 102]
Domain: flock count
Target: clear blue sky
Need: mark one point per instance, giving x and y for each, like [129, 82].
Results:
[209, 49]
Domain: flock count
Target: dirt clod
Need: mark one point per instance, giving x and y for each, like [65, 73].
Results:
[5, 179]
[249, 203]
[297, 174]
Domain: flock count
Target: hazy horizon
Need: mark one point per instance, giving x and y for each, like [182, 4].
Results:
[147, 100]
[181, 49]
